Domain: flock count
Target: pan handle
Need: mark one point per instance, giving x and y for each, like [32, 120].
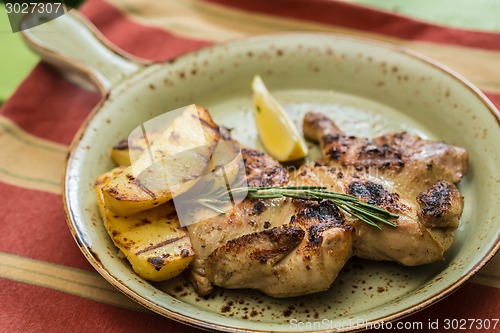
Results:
[74, 46]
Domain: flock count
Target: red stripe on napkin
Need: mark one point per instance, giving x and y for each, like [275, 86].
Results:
[48, 106]
[139, 40]
[360, 17]
[33, 225]
[54, 311]
[494, 98]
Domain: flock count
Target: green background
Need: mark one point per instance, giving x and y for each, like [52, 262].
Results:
[16, 60]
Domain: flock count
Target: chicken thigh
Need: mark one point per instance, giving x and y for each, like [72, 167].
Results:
[283, 247]
[400, 172]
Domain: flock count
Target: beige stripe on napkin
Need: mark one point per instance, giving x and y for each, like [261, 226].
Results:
[28, 161]
[70, 280]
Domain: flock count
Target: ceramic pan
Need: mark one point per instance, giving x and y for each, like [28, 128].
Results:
[368, 87]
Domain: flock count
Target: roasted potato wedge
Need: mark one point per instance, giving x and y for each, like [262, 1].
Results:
[170, 166]
[135, 144]
[153, 241]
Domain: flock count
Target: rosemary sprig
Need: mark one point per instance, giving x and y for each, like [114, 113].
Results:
[368, 213]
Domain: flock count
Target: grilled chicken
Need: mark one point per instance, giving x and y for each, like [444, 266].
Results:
[400, 172]
[283, 247]
[288, 247]
[410, 162]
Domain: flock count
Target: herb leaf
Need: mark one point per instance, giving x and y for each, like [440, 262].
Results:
[367, 213]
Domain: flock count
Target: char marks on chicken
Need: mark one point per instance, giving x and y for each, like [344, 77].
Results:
[283, 247]
[289, 247]
[400, 172]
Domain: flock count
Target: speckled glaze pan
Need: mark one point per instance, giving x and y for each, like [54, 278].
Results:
[366, 86]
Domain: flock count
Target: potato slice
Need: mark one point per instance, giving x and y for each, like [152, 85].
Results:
[153, 241]
[213, 193]
[135, 144]
[172, 164]
[227, 170]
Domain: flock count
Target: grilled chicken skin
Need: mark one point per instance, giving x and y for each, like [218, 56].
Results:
[289, 247]
[282, 247]
[410, 162]
[400, 172]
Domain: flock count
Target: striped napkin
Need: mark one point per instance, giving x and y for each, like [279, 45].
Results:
[46, 285]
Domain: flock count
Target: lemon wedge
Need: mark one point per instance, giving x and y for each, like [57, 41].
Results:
[278, 133]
